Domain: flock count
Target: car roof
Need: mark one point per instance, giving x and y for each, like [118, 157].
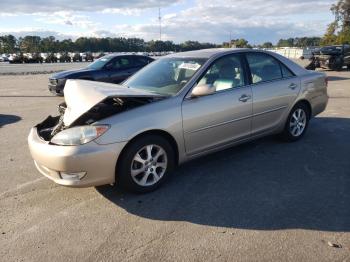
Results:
[214, 53]
[208, 53]
[123, 54]
[327, 46]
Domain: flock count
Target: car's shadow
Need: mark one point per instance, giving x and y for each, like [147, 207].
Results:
[264, 185]
[8, 119]
[337, 78]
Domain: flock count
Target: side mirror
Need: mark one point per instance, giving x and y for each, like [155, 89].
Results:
[203, 90]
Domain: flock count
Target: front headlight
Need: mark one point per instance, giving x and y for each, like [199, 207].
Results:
[79, 135]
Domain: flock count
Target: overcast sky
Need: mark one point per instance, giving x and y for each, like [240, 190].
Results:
[203, 20]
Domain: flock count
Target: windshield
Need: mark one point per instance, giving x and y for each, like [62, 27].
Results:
[166, 76]
[99, 63]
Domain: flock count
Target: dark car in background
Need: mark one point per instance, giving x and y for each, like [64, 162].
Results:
[114, 68]
[331, 57]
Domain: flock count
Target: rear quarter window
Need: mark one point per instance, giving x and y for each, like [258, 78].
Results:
[286, 71]
[141, 61]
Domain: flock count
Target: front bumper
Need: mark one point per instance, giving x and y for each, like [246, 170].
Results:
[56, 90]
[56, 86]
[97, 161]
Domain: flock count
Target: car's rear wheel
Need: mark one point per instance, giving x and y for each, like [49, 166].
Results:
[297, 123]
[145, 164]
[338, 65]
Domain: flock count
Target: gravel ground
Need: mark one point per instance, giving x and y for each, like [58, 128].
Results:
[262, 201]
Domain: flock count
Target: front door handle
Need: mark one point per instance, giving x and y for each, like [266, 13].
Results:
[293, 86]
[244, 98]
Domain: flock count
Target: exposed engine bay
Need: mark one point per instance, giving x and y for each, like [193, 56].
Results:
[108, 107]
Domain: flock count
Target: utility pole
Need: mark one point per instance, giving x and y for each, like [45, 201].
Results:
[229, 43]
[160, 25]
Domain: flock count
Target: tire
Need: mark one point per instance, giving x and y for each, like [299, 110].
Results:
[296, 129]
[136, 157]
[338, 66]
[311, 66]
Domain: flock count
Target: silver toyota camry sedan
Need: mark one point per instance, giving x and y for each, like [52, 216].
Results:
[175, 109]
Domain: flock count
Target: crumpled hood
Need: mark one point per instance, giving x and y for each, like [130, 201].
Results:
[82, 95]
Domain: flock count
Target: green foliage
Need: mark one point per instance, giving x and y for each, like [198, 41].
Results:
[344, 36]
[8, 44]
[341, 11]
[330, 38]
[194, 45]
[338, 32]
[299, 42]
[29, 44]
[286, 42]
[240, 43]
[267, 45]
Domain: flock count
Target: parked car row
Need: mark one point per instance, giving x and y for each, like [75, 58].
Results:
[63, 57]
[46, 57]
[175, 109]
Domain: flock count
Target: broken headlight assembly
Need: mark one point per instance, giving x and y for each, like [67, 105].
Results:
[79, 135]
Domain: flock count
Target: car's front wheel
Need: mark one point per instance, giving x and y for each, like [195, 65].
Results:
[145, 164]
[297, 122]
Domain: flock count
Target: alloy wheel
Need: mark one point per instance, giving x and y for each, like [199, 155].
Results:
[149, 165]
[297, 122]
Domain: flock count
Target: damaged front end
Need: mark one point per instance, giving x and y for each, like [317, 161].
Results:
[111, 106]
[87, 102]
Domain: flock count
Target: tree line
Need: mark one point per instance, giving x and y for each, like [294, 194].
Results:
[33, 44]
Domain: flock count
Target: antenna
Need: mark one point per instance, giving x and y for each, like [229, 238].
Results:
[160, 25]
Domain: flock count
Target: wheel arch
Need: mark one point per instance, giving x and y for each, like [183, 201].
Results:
[301, 101]
[305, 102]
[157, 132]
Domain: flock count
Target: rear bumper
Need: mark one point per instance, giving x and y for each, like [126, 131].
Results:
[97, 162]
[319, 104]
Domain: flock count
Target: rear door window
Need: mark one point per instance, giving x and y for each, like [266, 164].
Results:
[122, 63]
[263, 67]
[141, 61]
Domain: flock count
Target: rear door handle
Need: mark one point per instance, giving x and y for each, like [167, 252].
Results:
[293, 86]
[244, 98]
